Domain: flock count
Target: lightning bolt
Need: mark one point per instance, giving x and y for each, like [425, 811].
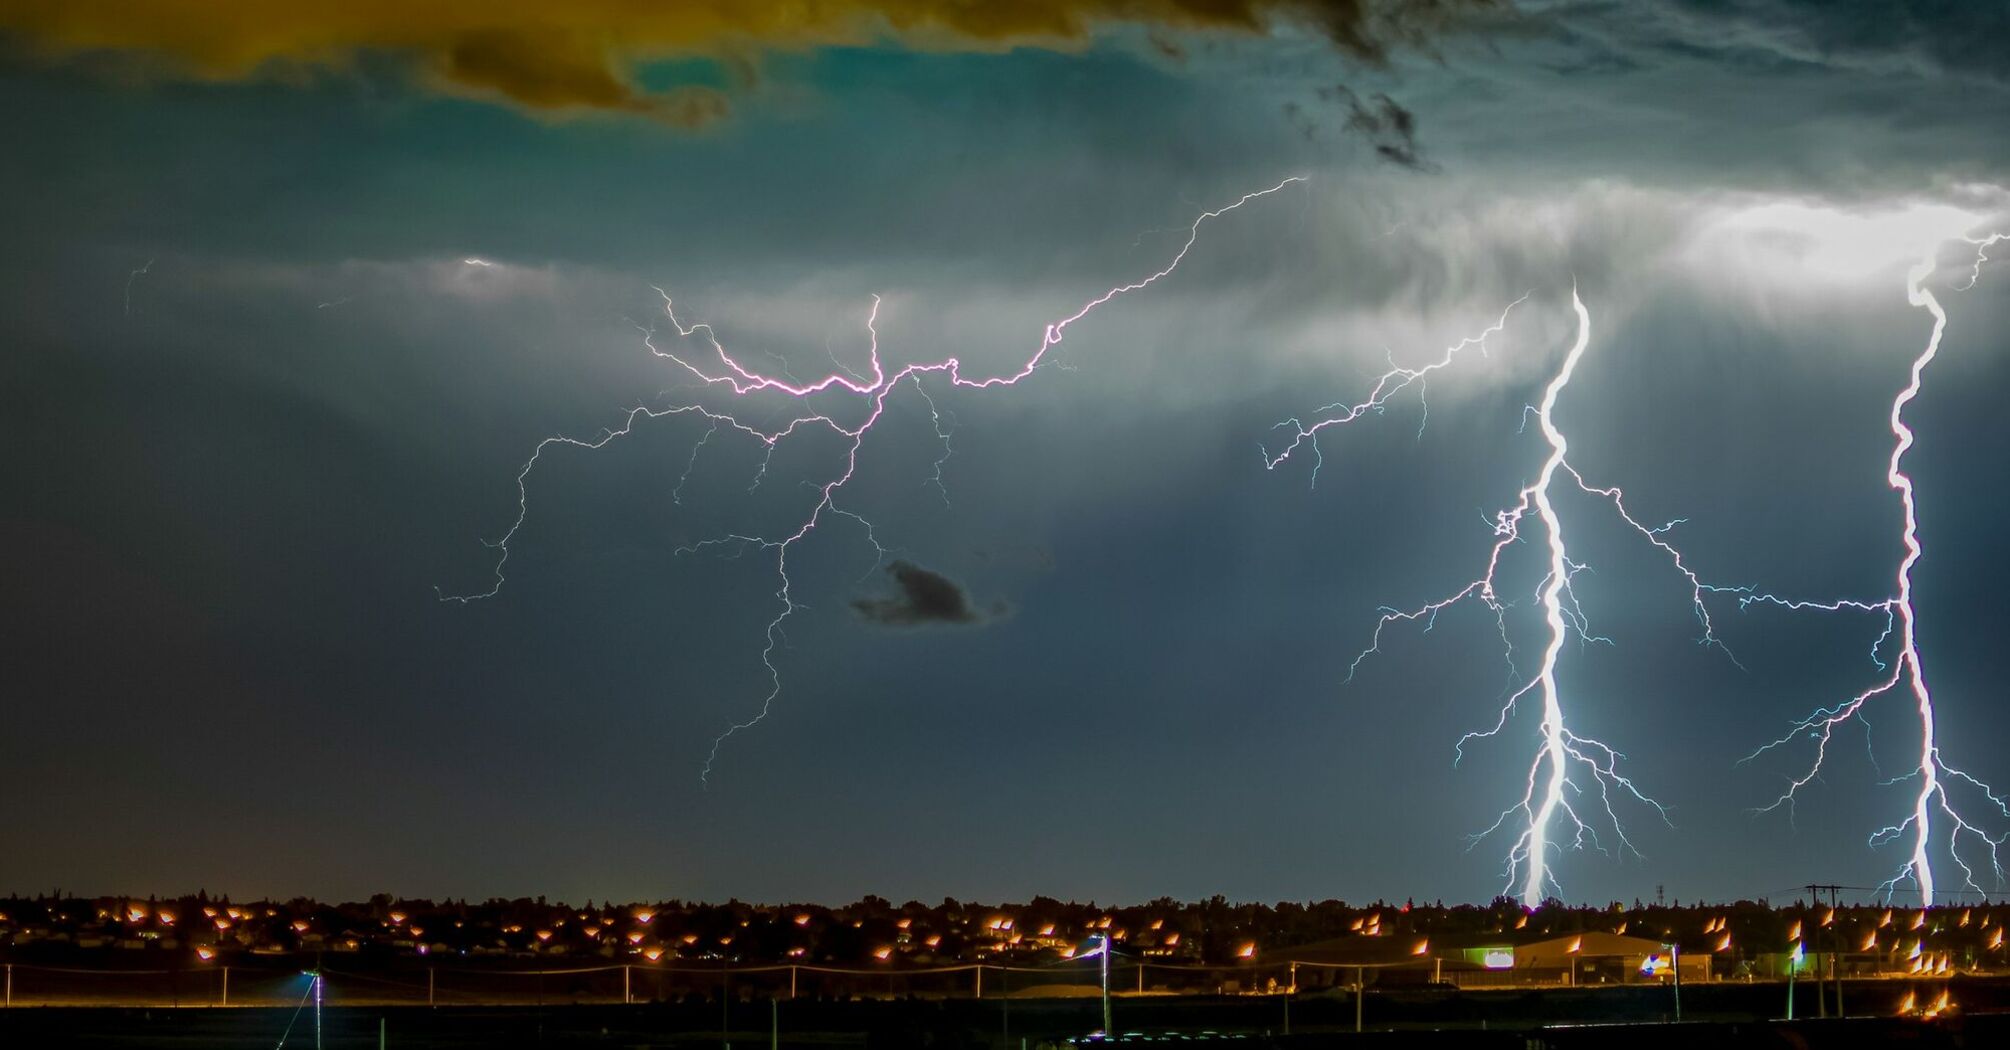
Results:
[1547, 813]
[1905, 672]
[720, 371]
[130, 278]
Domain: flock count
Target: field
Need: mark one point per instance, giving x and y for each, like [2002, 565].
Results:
[1718, 1015]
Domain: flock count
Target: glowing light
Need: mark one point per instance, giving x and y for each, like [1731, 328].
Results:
[803, 919]
[1246, 951]
[1498, 959]
[1812, 241]
[731, 377]
[205, 954]
[644, 915]
[882, 953]
[652, 953]
[1423, 948]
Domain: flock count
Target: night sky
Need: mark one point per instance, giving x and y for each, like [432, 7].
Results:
[260, 406]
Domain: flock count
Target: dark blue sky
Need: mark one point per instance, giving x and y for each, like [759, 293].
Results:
[235, 493]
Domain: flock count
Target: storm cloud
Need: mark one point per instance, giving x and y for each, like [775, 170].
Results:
[923, 596]
[1383, 122]
[583, 55]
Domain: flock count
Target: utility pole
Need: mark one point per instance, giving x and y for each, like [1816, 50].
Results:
[774, 1024]
[1835, 949]
[1288, 989]
[318, 979]
[225, 1001]
[1108, 1030]
[1835, 904]
[1360, 995]
[431, 969]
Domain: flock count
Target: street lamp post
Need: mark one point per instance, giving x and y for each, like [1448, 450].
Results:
[1675, 961]
[1793, 967]
[1107, 1031]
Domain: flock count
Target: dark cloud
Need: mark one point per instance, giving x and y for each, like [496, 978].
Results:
[1960, 38]
[1388, 127]
[923, 596]
[581, 55]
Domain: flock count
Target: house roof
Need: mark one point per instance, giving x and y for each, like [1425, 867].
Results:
[1591, 944]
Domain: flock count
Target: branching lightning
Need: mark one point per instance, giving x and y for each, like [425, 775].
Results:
[1905, 671]
[1547, 813]
[130, 278]
[720, 371]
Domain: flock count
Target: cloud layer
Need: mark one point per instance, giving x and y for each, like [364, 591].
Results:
[582, 54]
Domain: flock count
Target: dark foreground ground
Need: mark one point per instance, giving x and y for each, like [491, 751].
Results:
[1719, 1017]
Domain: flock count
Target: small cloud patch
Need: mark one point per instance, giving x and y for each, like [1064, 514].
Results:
[923, 596]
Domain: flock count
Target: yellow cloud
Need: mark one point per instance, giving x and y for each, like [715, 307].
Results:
[579, 54]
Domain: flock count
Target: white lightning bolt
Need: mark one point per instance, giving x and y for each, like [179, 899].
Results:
[1546, 801]
[1932, 772]
[730, 377]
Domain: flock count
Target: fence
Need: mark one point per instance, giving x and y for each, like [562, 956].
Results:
[279, 980]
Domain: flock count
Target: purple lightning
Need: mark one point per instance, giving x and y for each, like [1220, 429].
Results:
[1906, 670]
[1550, 796]
[727, 374]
